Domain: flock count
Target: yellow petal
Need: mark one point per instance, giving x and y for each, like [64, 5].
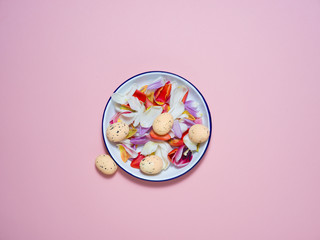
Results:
[150, 96]
[144, 88]
[132, 131]
[190, 117]
[123, 153]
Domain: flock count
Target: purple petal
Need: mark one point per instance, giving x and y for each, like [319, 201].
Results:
[190, 108]
[198, 121]
[176, 129]
[191, 111]
[142, 130]
[156, 85]
[152, 139]
[189, 122]
[184, 160]
[139, 140]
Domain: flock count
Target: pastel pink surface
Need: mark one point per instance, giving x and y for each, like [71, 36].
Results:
[256, 63]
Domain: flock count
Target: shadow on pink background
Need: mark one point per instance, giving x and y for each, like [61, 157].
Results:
[256, 63]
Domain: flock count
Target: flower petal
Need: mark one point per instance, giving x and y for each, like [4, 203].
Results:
[149, 116]
[149, 147]
[123, 154]
[184, 127]
[131, 151]
[177, 95]
[157, 83]
[139, 140]
[191, 145]
[189, 122]
[122, 98]
[134, 103]
[132, 131]
[142, 131]
[162, 151]
[198, 121]
[176, 110]
[162, 94]
[176, 129]
[115, 118]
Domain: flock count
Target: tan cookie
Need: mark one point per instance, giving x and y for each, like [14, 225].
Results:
[163, 124]
[117, 132]
[151, 165]
[106, 165]
[199, 133]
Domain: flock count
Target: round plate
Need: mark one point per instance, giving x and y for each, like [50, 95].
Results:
[145, 79]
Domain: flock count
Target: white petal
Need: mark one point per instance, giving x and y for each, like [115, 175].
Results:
[165, 148]
[122, 98]
[132, 89]
[191, 145]
[127, 145]
[119, 98]
[171, 133]
[183, 116]
[177, 94]
[183, 127]
[174, 85]
[150, 115]
[128, 118]
[162, 151]
[134, 103]
[176, 110]
[149, 147]
[139, 117]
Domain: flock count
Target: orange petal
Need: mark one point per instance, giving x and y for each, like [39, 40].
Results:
[190, 117]
[123, 153]
[162, 94]
[144, 88]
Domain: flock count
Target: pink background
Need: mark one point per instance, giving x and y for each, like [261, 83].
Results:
[256, 62]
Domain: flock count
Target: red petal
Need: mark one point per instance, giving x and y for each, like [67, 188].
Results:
[162, 94]
[135, 163]
[185, 97]
[140, 95]
[175, 142]
[185, 133]
[171, 154]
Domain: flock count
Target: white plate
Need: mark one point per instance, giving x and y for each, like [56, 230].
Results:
[145, 79]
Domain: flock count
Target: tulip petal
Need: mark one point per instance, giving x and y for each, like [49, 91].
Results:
[176, 129]
[149, 147]
[191, 145]
[177, 95]
[149, 116]
[163, 150]
[122, 98]
[162, 94]
[123, 154]
[157, 83]
[176, 110]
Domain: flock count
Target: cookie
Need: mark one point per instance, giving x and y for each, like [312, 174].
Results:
[117, 132]
[199, 133]
[163, 124]
[151, 165]
[106, 165]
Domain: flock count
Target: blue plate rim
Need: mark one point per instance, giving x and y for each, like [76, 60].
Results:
[210, 121]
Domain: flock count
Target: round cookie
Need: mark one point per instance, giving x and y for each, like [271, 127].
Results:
[199, 133]
[163, 124]
[106, 165]
[117, 132]
[151, 165]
